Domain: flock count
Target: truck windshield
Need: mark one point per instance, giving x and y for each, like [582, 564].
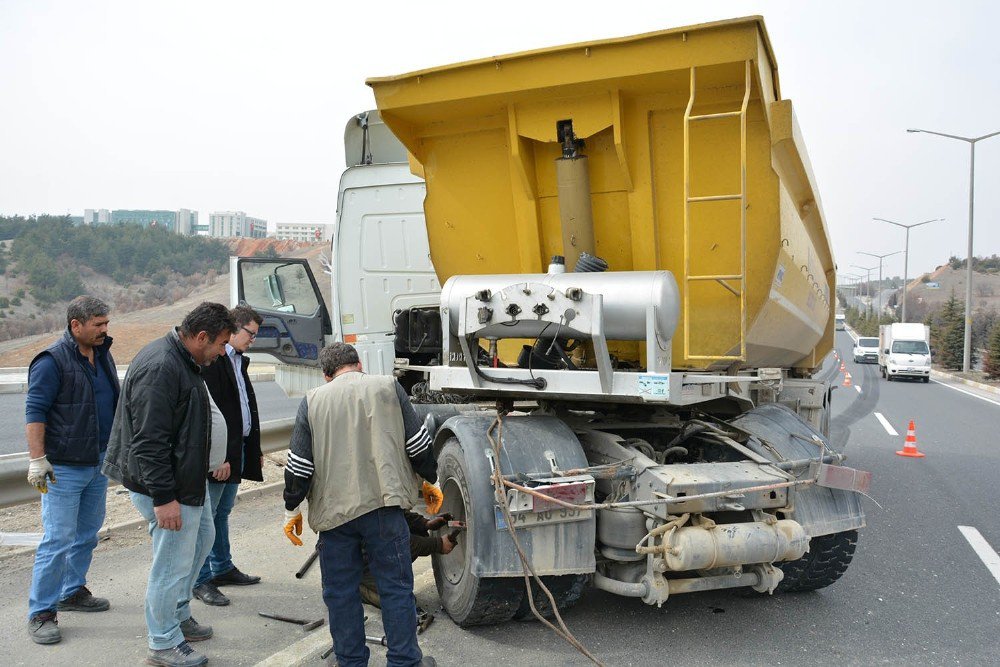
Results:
[868, 342]
[909, 347]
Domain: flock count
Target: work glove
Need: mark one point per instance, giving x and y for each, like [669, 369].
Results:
[39, 472]
[433, 497]
[293, 526]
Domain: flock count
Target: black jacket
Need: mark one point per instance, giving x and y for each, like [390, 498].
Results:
[159, 439]
[221, 381]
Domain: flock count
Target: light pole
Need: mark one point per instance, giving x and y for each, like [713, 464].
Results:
[880, 258]
[967, 353]
[906, 256]
[852, 277]
[868, 284]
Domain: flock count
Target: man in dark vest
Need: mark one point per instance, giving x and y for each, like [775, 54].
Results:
[229, 384]
[72, 393]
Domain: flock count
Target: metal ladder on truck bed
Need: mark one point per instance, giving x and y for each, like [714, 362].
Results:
[724, 280]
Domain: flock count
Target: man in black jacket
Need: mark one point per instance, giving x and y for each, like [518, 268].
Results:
[229, 383]
[159, 451]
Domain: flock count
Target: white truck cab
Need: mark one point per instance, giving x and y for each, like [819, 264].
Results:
[380, 272]
[904, 351]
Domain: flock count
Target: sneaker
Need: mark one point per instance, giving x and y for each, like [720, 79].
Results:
[428, 661]
[235, 578]
[181, 655]
[195, 631]
[209, 593]
[44, 628]
[83, 600]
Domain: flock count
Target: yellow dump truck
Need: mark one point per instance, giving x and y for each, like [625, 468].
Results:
[637, 288]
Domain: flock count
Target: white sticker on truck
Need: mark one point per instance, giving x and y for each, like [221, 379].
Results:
[654, 386]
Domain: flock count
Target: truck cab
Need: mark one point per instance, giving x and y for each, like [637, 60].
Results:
[379, 271]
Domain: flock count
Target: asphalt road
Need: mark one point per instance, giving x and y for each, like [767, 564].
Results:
[916, 593]
[271, 402]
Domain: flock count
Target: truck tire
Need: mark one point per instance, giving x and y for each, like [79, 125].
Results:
[826, 562]
[566, 589]
[468, 599]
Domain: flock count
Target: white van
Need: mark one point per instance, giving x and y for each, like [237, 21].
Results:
[904, 351]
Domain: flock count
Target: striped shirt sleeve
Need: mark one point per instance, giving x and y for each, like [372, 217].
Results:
[417, 439]
[299, 468]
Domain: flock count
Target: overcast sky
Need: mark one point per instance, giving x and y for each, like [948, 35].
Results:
[242, 105]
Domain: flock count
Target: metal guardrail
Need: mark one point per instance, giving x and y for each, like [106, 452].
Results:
[15, 490]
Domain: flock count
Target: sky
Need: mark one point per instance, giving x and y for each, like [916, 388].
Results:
[217, 105]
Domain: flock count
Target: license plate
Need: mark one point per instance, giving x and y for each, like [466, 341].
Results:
[548, 517]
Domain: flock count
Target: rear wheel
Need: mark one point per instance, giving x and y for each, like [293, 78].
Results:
[468, 599]
[826, 562]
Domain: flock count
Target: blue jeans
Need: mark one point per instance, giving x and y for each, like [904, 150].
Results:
[177, 557]
[386, 539]
[72, 513]
[220, 560]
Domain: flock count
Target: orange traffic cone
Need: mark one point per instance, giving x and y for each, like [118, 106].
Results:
[847, 379]
[910, 446]
[842, 367]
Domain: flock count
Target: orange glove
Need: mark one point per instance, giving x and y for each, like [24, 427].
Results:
[433, 497]
[293, 526]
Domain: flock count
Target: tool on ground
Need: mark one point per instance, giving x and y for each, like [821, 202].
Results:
[380, 641]
[424, 620]
[910, 446]
[308, 564]
[306, 625]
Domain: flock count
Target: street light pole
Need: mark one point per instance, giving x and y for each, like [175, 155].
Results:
[880, 258]
[906, 256]
[972, 141]
[868, 284]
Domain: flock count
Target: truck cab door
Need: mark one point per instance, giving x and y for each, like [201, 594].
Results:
[285, 294]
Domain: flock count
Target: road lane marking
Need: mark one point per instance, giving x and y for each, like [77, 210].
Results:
[983, 550]
[981, 398]
[858, 387]
[885, 424]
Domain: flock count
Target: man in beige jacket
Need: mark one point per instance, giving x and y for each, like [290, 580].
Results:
[355, 447]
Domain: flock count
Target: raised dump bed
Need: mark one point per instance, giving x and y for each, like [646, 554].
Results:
[695, 165]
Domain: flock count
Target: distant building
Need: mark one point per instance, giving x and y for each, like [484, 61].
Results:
[77, 220]
[236, 223]
[306, 233]
[182, 221]
[99, 216]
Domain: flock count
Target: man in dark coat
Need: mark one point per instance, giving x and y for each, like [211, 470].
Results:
[231, 389]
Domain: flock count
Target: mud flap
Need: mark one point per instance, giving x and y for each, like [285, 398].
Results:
[779, 434]
[531, 444]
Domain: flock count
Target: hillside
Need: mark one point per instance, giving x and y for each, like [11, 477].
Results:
[132, 328]
[923, 296]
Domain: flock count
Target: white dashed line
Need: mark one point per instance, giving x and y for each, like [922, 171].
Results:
[981, 398]
[983, 550]
[885, 424]
[858, 387]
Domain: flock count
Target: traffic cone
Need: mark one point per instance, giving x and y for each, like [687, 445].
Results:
[910, 446]
[842, 367]
[847, 379]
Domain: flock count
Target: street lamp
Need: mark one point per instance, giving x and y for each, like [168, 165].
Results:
[868, 284]
[880, 258]
[906, 256]
[967, 354]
